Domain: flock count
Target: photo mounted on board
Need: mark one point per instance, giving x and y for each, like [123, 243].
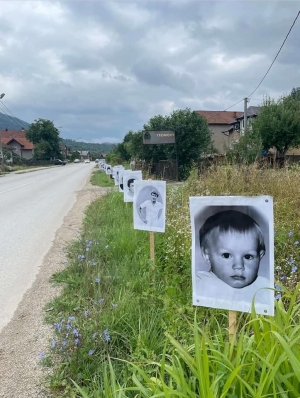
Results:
[121, 174]
[128, 184]
[116, 171]
[233, 252]
[149, 208]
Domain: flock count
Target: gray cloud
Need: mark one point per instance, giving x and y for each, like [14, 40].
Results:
[100, 68]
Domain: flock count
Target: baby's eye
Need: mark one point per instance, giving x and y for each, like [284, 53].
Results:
[248, 257]
[226, 255]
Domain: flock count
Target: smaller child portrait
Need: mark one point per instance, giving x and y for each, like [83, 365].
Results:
[101, 164]
[108, 169]
[116, 173]
[233, 253]
[128, 184]
[149, 206]
[121, 174]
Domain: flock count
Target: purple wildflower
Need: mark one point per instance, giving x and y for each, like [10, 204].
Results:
[97, 280]
[91, 352]
[76, 332]
[294, 269]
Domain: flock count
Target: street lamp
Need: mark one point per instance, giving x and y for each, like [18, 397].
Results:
[1, 148]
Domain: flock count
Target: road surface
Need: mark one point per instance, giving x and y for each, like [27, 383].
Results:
[32, 208]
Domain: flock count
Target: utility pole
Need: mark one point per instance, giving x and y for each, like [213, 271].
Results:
[1, 147]
[245, 115]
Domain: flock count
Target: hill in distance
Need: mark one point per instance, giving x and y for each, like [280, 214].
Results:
[87, 146]
[13, 123]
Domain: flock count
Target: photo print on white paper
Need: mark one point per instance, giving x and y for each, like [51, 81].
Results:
[149, 207]
[233, 252]
[128, 184]
[108, 169]
[121, 174]
[116, 173]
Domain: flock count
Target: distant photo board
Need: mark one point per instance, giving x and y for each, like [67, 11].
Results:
[128, 184]
[121, 175]
[156, 137]
[116, 173]
[108, 169]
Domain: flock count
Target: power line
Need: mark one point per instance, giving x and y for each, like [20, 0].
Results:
[13, 117]
[276, 54]
[267, 70]
[10, 117]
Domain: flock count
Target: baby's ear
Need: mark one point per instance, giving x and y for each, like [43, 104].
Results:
[261, 254]
[205, 255]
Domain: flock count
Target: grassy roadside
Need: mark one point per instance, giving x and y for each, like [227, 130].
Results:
[100, 178]
[115, 304]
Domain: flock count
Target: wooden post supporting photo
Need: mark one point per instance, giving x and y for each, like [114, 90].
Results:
[232, 325]
[152, 257]
[151, 233]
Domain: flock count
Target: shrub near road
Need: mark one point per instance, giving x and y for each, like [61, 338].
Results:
[115, 304]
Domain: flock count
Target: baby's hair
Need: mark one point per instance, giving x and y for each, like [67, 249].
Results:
[230, 221]
[130, 181]
[154, 193]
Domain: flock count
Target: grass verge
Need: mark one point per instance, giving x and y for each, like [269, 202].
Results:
[100, 178]
[116, 309]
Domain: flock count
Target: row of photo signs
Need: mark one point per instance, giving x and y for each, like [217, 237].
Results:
[232, 241]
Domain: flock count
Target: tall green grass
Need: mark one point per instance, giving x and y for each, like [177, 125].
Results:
[124, 328]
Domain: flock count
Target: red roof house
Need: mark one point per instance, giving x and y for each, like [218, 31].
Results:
[218, 122]
[17, 142]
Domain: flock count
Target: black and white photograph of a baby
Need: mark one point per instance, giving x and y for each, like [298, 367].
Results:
[232, 246]
[150, 206]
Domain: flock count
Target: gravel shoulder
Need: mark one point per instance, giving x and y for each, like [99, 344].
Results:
[26, 336]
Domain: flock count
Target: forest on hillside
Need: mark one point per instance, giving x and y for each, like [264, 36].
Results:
[87, 146]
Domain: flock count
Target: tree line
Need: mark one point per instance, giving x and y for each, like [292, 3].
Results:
[276, 126]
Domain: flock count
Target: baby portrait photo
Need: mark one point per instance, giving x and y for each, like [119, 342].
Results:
[149, 205]
[233, 252]
[128, 184]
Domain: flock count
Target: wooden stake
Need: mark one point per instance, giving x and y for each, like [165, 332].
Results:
[152, 246]
[151, 233]
[232, 325]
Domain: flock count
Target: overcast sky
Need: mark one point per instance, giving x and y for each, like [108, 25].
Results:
[102, 68]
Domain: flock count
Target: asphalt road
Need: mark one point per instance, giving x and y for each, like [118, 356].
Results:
[32, 207]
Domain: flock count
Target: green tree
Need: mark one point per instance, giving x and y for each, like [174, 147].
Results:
[247, 150]
[46, 138]
[193, 139]
[278, 123]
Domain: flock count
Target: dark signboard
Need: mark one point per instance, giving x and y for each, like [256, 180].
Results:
[159, 137]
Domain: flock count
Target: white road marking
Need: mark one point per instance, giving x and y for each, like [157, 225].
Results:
[19, 186]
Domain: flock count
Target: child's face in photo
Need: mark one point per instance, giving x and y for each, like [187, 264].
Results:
[131, 187]
[234, 257]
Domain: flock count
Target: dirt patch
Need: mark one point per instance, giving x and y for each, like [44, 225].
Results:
[26, 336]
